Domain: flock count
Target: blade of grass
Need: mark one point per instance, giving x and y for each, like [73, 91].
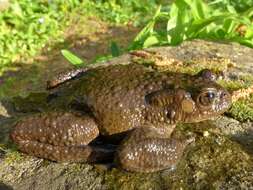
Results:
[199, 9]
[73, 59]
[144, 33]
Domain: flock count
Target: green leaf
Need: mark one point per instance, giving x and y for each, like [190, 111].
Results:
[144, 33]
[229, 25]
[73, 59]
[102, 58]
[231, 9]
[17, 9]
[199, 9]
[115, 49]
[199, 25]
[177, 25]
[150, 41]
[248, 13]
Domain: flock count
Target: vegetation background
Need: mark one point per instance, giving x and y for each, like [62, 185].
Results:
[26, 26]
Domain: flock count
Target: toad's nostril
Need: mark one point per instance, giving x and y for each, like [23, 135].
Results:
[224, 94]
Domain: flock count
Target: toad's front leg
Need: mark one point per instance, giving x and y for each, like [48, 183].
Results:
[149, 149]
[59, 137]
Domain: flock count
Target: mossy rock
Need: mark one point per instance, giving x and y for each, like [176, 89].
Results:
[216, 160]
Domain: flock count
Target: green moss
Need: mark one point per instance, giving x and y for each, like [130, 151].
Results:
[13, 156]
[45, 163]
[243, 81]
[144, 61]
[34, 102]
[232, 85]
[248, 79]
[213, 161]
[77, 168]
[117, 179]
[242, 110]
[196, 65]
[3, 148]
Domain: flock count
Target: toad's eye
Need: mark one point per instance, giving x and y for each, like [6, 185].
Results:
[207, 98]
[210, 95]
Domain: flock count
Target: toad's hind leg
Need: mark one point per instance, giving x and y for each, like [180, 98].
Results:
[59, 137]
[149, 149]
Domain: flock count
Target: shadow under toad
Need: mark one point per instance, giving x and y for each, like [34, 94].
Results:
[245, 139]
[5, 187]
[11, 110]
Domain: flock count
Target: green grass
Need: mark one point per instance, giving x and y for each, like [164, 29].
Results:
[190, 19]
[242, 109]
[28, 26]
[134, 12]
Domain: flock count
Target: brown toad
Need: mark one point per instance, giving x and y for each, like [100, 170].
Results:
[137, 102]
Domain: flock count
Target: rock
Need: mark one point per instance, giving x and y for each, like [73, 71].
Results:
[220, 157]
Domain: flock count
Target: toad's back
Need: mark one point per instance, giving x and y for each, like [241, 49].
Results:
[122, 97]
[116, 94]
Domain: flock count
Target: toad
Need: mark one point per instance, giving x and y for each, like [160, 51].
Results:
[140, 105]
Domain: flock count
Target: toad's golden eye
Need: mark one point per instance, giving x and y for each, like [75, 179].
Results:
[207, 97]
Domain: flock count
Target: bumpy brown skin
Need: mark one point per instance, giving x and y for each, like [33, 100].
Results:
[122, 98]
